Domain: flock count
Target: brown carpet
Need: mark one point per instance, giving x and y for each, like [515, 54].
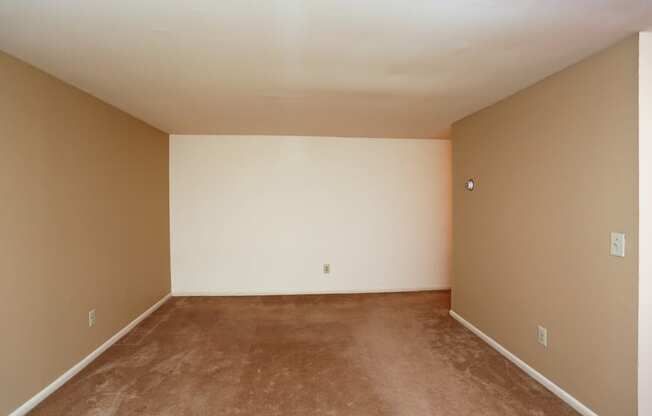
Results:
[381, 354]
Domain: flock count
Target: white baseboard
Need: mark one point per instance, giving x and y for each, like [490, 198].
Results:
[307, 292]
[43, 394]
[555, 389]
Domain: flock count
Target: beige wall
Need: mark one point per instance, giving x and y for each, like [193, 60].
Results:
[556, 166]
[84, 220]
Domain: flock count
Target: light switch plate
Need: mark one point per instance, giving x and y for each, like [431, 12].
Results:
[618, 244]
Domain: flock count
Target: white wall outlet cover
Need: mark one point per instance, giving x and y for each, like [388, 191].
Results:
[91, 317]
[617, 244]
[542, 336]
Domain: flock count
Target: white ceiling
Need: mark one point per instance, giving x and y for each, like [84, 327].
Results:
[376, 68]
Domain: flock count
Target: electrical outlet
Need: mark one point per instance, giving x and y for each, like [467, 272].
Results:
[327, 268]
[91, 317]
[542, 336]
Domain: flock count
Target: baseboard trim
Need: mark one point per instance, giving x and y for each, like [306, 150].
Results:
[307, 292]
[555, 389]
[52, 387]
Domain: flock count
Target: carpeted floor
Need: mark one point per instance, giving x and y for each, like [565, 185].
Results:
[380, 354]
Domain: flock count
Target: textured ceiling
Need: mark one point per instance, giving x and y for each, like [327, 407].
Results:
[375, 68]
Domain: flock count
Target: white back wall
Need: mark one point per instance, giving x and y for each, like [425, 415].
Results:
[262, 214]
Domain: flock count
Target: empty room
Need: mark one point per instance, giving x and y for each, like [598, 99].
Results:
[326, 207]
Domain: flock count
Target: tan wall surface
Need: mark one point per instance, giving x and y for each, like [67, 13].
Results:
[556, 166]
[85, 224]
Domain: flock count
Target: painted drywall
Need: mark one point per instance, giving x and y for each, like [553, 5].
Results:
[369, 68]
[262, 214]
[645, 226]
[556, 168]
[85, 225]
